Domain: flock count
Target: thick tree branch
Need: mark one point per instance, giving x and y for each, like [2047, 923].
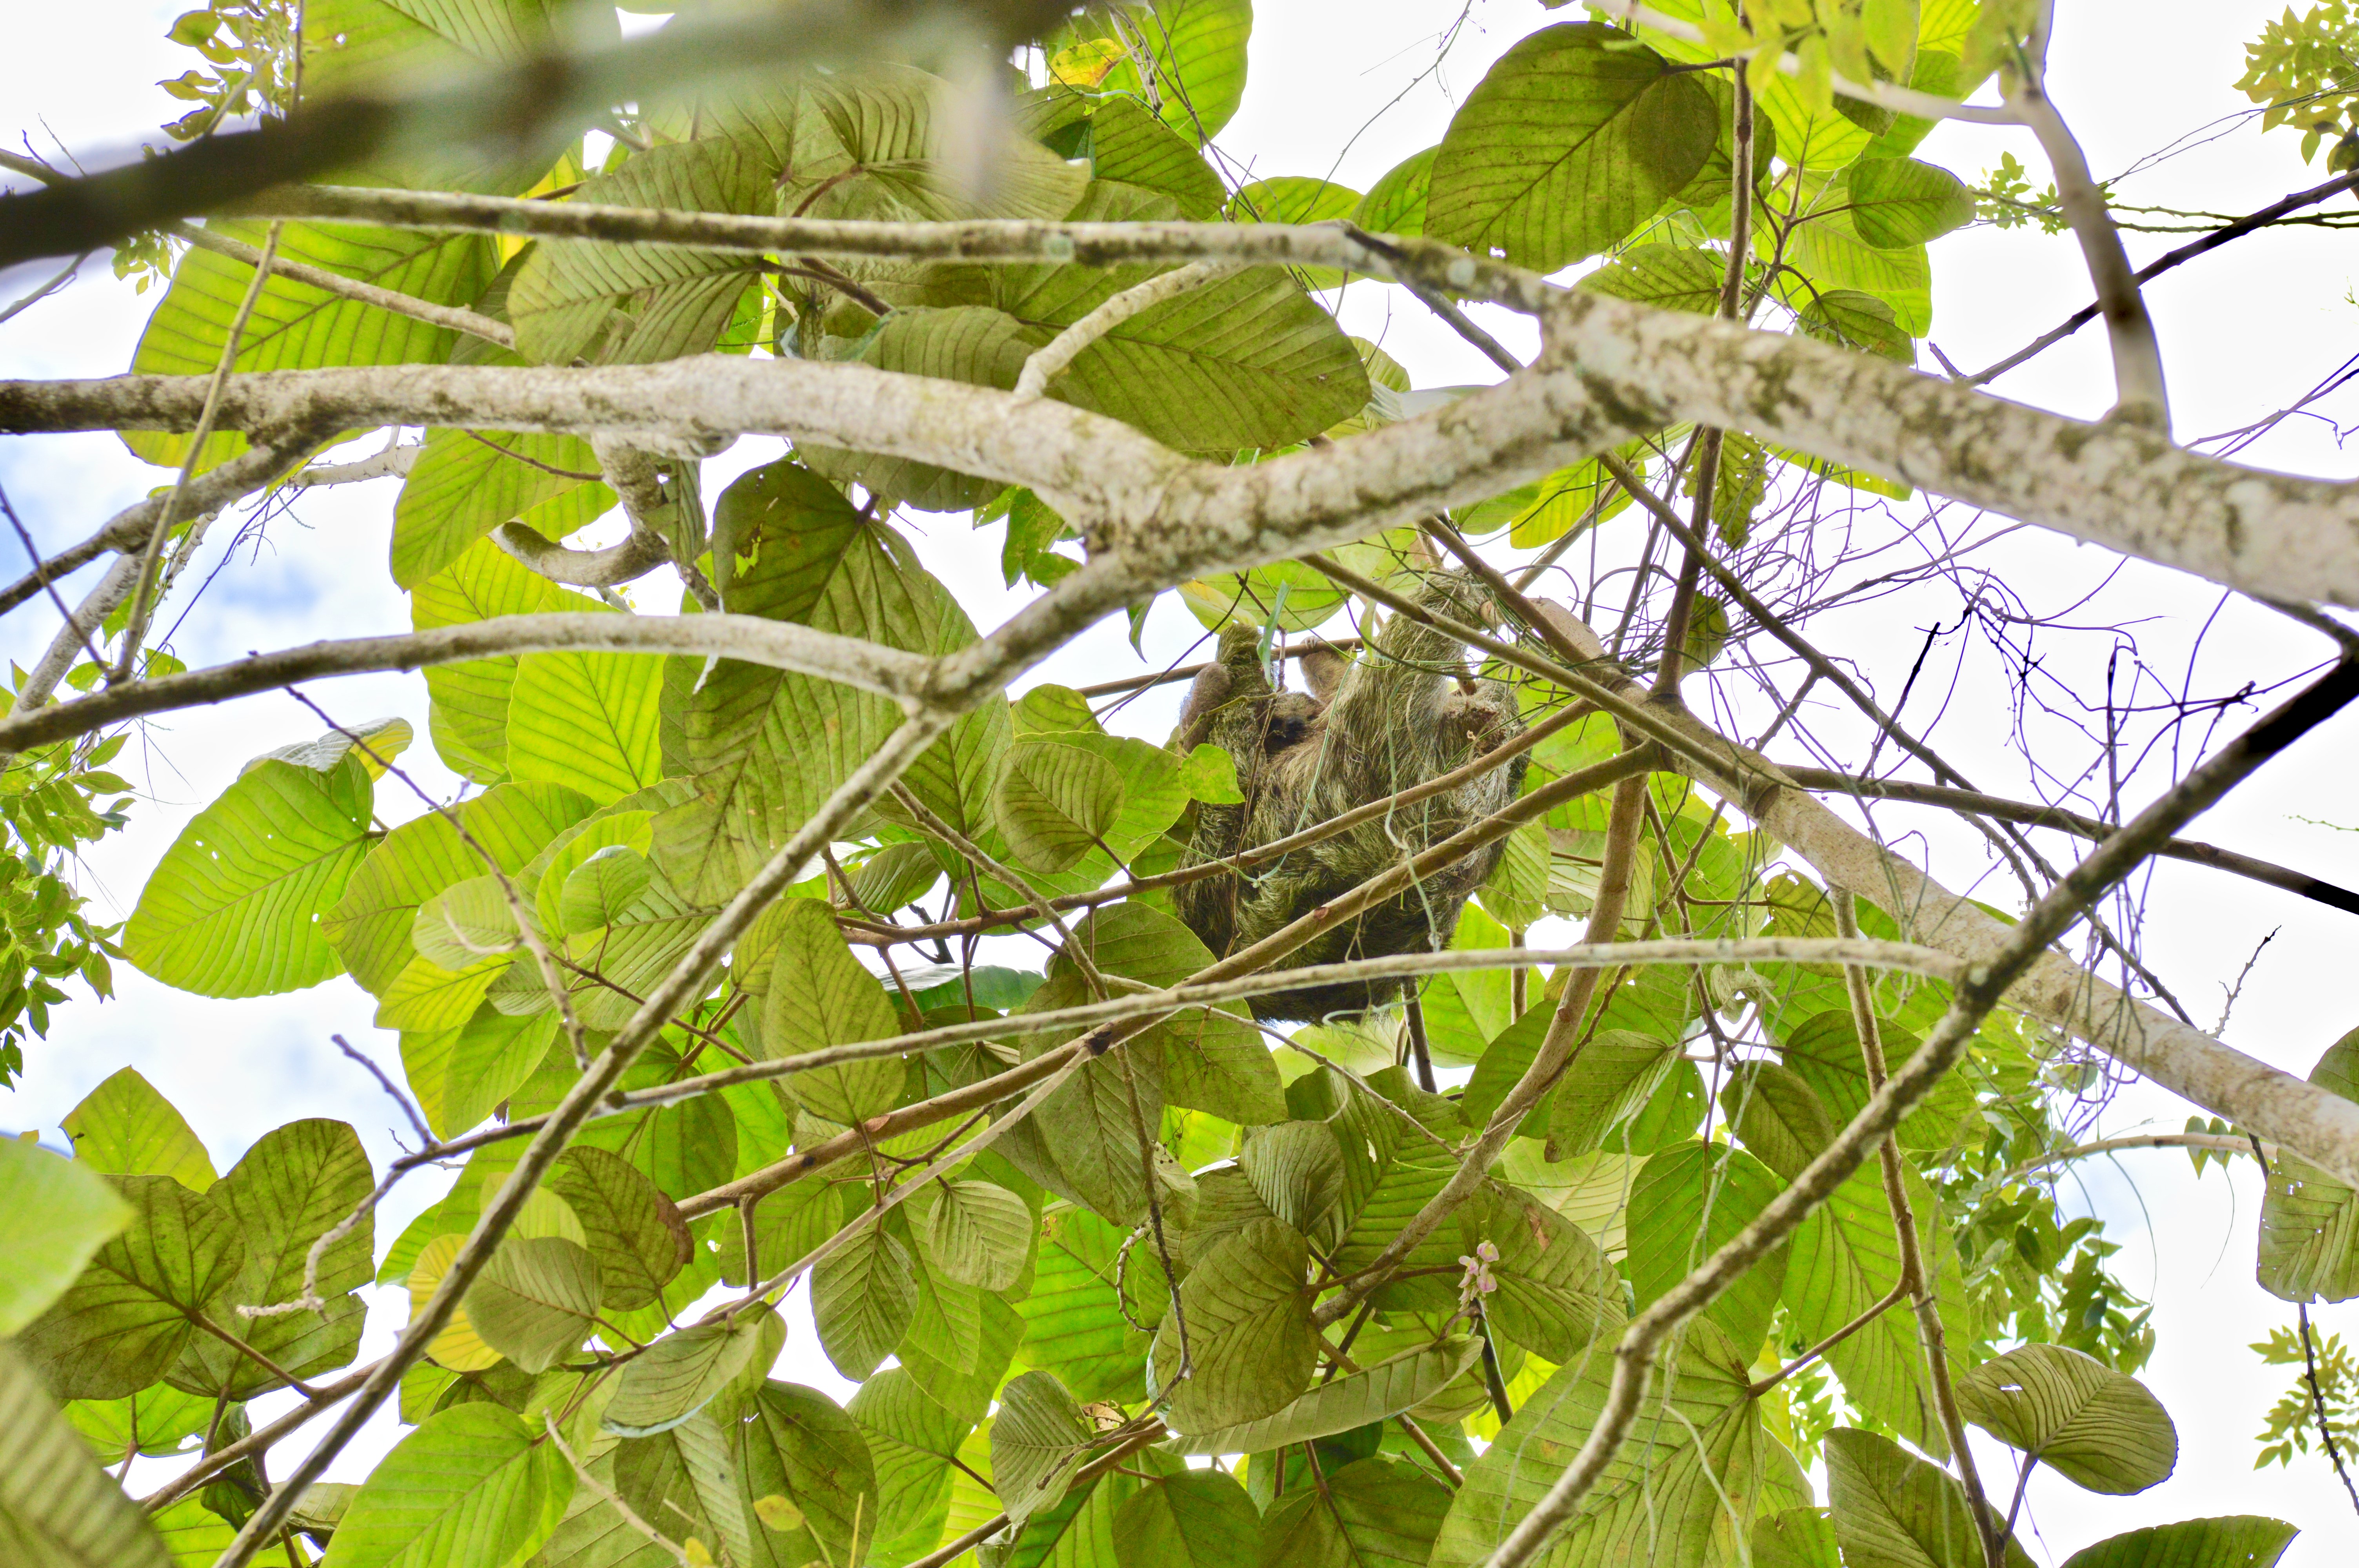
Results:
[779, 645]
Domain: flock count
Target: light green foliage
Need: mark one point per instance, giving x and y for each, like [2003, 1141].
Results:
[2309, 1221]
[2238, 1541]
[2298, 71]
[53, 1215]
[473, 1483]
[2328, 1376]
[1894, 1510]
[125, 1128]
[58, 1509]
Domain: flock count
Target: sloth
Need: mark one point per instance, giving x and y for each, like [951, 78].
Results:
[1404, 712]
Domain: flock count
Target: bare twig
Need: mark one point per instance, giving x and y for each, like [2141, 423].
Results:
[1045, 361]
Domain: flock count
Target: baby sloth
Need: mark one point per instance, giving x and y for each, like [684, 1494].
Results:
[1403, 713]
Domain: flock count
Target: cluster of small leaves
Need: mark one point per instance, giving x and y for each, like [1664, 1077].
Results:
[53, 801]
[2304, 71]
[248, 49]
[2006, 199]
[2296, 1419]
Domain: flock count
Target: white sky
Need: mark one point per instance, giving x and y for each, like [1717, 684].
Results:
[2244, 332]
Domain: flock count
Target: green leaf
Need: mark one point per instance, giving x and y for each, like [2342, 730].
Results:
[820, 996]
[1850, 319]
[1037, 1439]
[1250, 361]
[887, 142]
[296, 326]
[375, 742]
[863, 1295]
[471, 1485]
[1894, 1510]
[681, 1373]
[979, 1234]
[58, 1509]
[1395, 203]
[1199, 1519]
[1355, 1400]
[638, 304]
[1072, 1318]
[587, 721]
[1897, 202]
[1799, 1537]
[597, 892]
[1777, 1116]
[467, 482]
[158, 1421]
[536, 1301]
[292, 1186]
[459, 1076]
[1831, 255]
[234, 908]
[1667, 1496]
[685, 1475]
[1126, 143]
[127, 1317]
[124, 1128]
[469, 719]
[1687, 1202]
[1373, 1513]
[2104, 1431]
[1296, 198]
[1669, 278]
[1055, 801]
[1297, 1169]
[196, 1536]
[2238, 1540]
[1823, 1051]
[1556, 1290]
[1608, 1081]
[1844, 1260]
[462, 926]
[1574, 138]
[1193, 49]
[799, 1446]
[1251, 1346]
[2309, 1220]
[910, 1442]
[632, 1232]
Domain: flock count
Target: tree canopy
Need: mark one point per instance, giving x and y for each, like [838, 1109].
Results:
[786, 941]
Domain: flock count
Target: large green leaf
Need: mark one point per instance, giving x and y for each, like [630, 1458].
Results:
[1374, 1513]
[1250, 361]
[1897, 202]
[1037, 1439]
[1556, 1290]
[1200, 1519]
[124, 1128]
[2238, 1540]
[133, 1309]
[1894, 1510]
[587, 721]
[1251, 1347]
[797, 1445]
[234, 908]
[1828, 252]
[1395, 203]
[863, 1295]
[469, 719]
[291, 1187]
[1777, 1115]
[460, 1076]
[1609, 1079]
[889, 142]
[1850, 319]
[1073, 1321]
[910, 1442]
[1355, 1400]
[1055, 802]
[1125, 143]
[472, 1485]
[1696, 1464]
[54, 1214]
[536, 1301]
[467, 482]
[681, 1373]
[1574, 137]
[1799, 1537]
[58, 1509]
[1824, 1050]
[1687, 1202]
[979, 1234]
[818, 996]
[1193, 49]
[684, 1475]
[1668, 277]
[636, 304]
[2309, 1220]
[1844, 1260]
[2104, 1429]
[296, 326]
[632, 1230]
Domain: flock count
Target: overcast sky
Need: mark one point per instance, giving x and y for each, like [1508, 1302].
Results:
[2244, 332]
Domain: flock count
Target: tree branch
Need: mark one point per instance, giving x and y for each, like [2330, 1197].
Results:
[779, 645]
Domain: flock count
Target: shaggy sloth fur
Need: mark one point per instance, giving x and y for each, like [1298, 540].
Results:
[1403, 713]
